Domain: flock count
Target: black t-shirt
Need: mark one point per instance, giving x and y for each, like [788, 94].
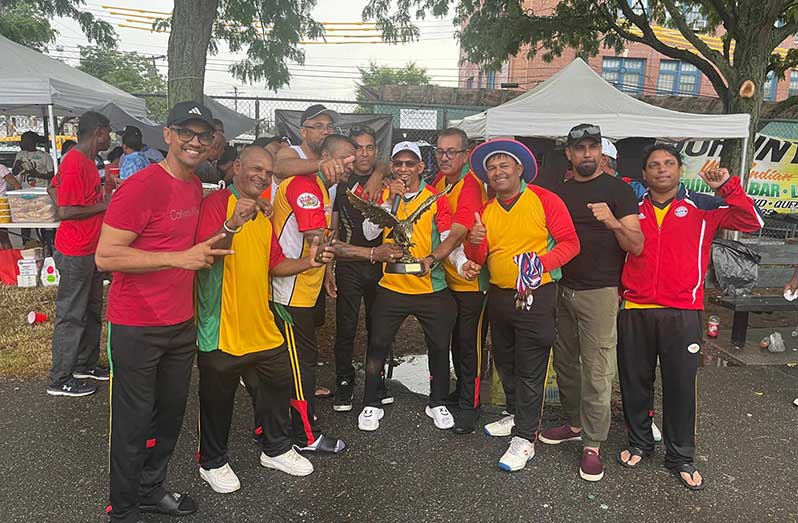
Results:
[350, 220]
[600, 260]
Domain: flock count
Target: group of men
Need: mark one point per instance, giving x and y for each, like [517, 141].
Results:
[236, 279]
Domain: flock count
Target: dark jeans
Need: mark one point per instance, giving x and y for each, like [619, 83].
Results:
[522, 342]
[78, 312]
[150, 376]
[356, 281]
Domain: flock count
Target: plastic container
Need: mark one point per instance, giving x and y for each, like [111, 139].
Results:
[32, 205]
[50, 276]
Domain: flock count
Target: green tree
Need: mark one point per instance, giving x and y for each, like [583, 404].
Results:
[131, 72]
[268, 31]
[376, 75]
[27, 22]
[492, 30]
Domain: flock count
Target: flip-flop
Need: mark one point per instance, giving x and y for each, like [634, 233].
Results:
[323, 393]
[633, 451]
[688, 468]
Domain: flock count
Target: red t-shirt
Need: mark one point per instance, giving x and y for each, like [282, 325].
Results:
[163, 211]
[78, 184]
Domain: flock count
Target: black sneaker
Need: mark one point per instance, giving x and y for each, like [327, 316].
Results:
[465, 421]
[385, 397]
[343, 396]
[72, 387]
[95, 373]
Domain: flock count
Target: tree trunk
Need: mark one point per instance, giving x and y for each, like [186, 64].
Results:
[192, 24]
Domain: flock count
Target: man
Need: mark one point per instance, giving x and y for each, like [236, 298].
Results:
[32, 167]
[609, 157]
[357, 270]
[208, 171]
[662, 302]
[302, 213]
[134, 160]
[604, 211]
[7, 183]
[315, 124]
[273, 144]
[236, 331]
[466, 198]
[514, 233]
[148, 241]
[79, 300]
[425, 295]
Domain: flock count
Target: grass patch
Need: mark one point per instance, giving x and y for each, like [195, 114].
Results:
[25, 349]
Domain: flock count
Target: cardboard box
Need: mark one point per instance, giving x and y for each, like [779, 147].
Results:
[37, 253]
[27, 281]
[28, 267]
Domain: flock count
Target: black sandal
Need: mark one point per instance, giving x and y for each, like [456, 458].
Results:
[688, 468]
[171, 505]
[633, 451]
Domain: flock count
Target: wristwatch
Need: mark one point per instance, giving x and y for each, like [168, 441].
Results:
[431, 257]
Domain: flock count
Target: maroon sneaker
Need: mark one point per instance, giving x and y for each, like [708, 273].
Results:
[558, 435]
[591, 468]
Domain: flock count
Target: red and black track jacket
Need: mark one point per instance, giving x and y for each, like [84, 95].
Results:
[670, 271]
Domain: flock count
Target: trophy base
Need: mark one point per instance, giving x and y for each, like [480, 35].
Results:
[404, 268]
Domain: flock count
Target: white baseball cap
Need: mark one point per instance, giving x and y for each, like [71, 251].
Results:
[608, 149]
[406, 146]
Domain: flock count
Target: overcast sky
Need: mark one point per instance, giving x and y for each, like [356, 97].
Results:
[330, 71]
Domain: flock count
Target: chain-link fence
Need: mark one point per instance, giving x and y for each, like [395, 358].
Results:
[414, 122]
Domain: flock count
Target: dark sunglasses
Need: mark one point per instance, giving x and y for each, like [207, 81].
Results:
[404, 163]
[576, 134]
[186, 135]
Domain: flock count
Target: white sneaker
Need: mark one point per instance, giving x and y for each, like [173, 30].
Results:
[441, 416]
[369, 418]
[655, 432]
[222, 480]
[291, 462]
[520, 451]
[503, 427]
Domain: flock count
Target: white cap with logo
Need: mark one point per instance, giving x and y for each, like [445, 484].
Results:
[406, 146]
[608, 149]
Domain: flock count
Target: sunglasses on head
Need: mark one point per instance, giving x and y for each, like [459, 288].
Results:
[186, 135]
[576, 134]
[404, 163]
[361, 129]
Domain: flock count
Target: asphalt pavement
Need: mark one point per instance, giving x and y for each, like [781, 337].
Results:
[53, 454]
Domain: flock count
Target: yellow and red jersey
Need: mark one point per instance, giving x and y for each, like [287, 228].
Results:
[426, 237]
[302, 203]
[466, 198]
[536, 220]
[232, 297]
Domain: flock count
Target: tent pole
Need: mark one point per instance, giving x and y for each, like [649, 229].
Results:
[735, 235]
[53, 130]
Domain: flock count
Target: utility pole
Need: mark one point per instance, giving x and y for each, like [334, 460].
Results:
[235, 98]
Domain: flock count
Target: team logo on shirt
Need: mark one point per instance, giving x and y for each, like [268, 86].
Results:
[308, 200]
[680, 211]
[641, 216]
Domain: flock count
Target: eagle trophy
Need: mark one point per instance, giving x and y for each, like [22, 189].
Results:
[401, 230]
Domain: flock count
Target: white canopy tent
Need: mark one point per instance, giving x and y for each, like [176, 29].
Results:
[31, 82]
[576, 94]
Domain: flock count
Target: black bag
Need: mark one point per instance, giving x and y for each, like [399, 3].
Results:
[735, 267]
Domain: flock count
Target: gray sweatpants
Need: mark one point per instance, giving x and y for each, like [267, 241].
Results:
[78, 314]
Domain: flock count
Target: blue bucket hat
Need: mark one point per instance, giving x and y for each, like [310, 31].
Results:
[513, 148]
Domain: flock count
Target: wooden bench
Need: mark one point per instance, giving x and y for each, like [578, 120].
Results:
[741, 346]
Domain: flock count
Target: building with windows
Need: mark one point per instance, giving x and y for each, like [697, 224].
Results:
[639, 70]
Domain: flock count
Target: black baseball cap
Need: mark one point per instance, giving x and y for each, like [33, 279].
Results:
[186, 111]
[317, 110]
[582, 131]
